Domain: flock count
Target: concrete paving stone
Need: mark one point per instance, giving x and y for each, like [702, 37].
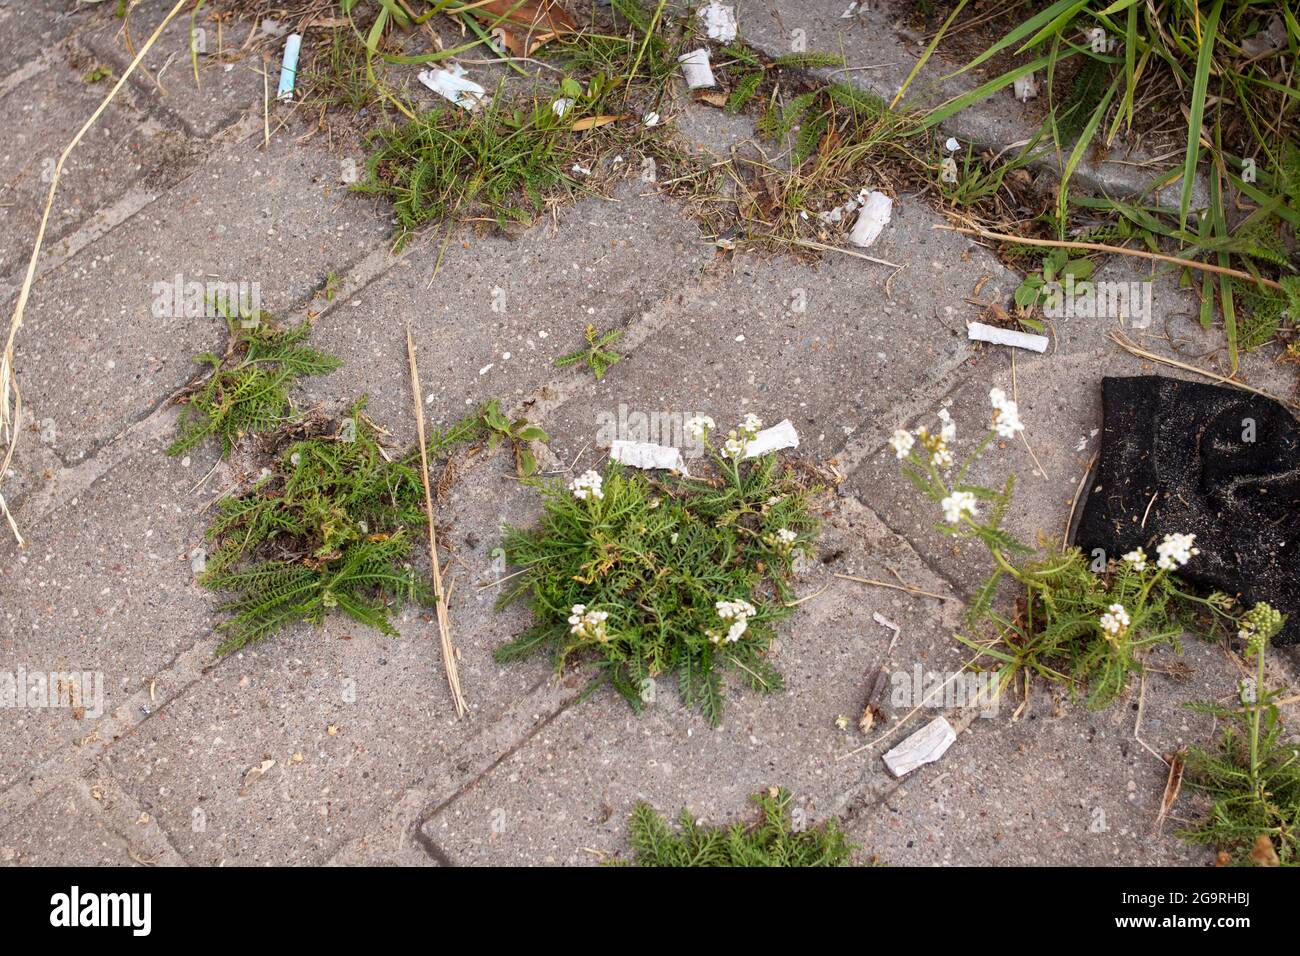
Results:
[28, 30]
[386, 699]
[84, 822]
[1062, 785]
[105, 586]
[829, 346]
[125, 147]
[229, 85]
[498, 312]
[881, 49]
[567, 791]
[276, 221]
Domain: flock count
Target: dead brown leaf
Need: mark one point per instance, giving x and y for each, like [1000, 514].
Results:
[711, 98]
[596, 122]
[522, 26]
[1263, 852]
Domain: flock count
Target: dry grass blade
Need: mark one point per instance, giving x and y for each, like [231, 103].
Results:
[1117, 250]
[1123, 342]
[11, 402]
[906, 588]
[1173, 785]
[444, 624]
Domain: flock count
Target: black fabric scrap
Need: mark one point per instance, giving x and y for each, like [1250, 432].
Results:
[1183, 442]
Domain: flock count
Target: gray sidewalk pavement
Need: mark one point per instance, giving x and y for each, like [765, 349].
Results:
[339, 745]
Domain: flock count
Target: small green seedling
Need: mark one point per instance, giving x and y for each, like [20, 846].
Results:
[98, 74]
[1043, 289]
[518, 432]
[597, 356]
[775, 840]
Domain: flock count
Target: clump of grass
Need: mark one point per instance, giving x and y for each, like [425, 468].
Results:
[679, 576]
[597, 355]
[330, 527]
[1253, 776]
[342, 76]
[1224, 66]
[246, 390]
[503, 164]
[772, 841]
[1085, 624]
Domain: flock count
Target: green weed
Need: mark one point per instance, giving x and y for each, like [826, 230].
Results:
[648, 577]
[1253, 776]
[1085, 624]
[518, 433]
[503, 164]
[597, 356]
[773, 841]
[246, 390]
[1193, 58]
[330, 527]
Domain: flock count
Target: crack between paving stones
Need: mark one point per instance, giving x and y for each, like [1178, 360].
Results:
[426, 842]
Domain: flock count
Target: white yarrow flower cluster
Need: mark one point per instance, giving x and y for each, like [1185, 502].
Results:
[938, 445]
[698, 426]
[1115, 621]
[1175, 551]
[783, 539]
[737, 441]
[956, 505]
[901, 441]
[588, 625]
[738, 614]
[1137, 558]
[587, 485]
[1006, 414]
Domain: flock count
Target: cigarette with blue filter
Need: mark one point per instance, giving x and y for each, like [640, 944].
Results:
[289, 68]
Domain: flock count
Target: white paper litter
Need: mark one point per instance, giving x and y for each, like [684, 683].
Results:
[952, 145]
[719, 21]
[948, 171]
[647, 455]
[454, 85]
[871, 220]
[780, 435]
[561, 106]
[696, 69]
[1026, 87]
[979, 332]
[925, 746]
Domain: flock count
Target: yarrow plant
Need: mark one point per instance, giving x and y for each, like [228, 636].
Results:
[650, 576]
[775, 840]
[1071, 624]
[1252, 778]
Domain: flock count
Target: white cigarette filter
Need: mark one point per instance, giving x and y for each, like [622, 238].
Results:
[979, 332]
[696, 69]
